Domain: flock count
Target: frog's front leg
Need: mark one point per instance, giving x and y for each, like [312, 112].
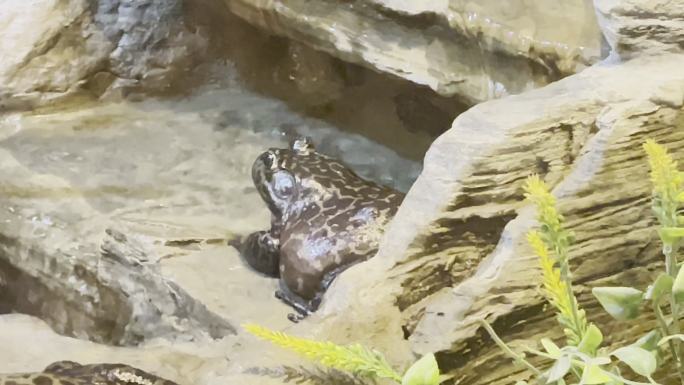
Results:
[303, 307]
[312, 305]
[261, 250]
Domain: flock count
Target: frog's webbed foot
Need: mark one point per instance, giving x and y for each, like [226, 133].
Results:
[303, 307]
[261, 251]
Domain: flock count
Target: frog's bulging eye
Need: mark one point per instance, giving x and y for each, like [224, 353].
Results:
[302, 145]
[283, 184]
[270, 160]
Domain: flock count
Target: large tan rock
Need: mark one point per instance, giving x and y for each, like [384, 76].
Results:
[115, 219]
[456, 252]
[475, 50]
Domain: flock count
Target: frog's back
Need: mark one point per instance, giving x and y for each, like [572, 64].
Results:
[337, 226]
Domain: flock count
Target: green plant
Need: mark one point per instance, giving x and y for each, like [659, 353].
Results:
[581, 359]
[355, 359]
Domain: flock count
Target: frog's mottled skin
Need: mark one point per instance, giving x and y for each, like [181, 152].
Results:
[325, 218]
[72, 373]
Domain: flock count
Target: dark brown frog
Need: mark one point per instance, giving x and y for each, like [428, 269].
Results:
[325, 218]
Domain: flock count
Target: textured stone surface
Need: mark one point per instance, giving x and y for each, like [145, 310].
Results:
[456, 251]
[636, 27]
[200, 362]
[476, 50]
[53, 48]
[115, 217]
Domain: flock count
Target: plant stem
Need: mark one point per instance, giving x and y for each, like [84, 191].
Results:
[502, 345]
[666, 332]
[565, 276]
[670, 249]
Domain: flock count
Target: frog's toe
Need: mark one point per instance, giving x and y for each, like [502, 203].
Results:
[295, 318]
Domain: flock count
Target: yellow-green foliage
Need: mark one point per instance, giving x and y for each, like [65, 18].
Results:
[554, 288]
[665, 177]
[353, 358]
[555, 270]
[538, 193]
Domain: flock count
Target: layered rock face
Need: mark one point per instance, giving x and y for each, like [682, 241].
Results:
[456, 251]
[52, 49]
[476, 50]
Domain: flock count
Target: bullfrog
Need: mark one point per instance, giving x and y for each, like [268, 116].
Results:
[73, 373]
[324, 219]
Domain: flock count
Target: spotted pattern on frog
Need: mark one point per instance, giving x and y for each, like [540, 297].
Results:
[72, 373]
[325, 218]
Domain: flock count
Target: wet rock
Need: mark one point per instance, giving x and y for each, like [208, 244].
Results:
[477, 51]
[315, 74]
[81, 244]
[115, 218]
[114, 224]
[64, 261]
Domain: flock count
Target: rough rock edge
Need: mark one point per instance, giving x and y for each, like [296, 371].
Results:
[635, 27]
[444, 75]
[90, 299]
[497, 37]
[151, 307]
[625, 109]
[124, 49]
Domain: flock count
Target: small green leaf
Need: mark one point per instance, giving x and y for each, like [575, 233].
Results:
[678, 286]
[559, 369]
[600, 360]
[649, 341]
[551, 348]
[423, 372]
[671, 234]
[672, 337]
[640, 360]
[592, 340]
[680, 197]
[593, 375]
[620, 302]
[662, 286]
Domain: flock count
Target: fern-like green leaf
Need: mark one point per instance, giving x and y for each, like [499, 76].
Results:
[355, 358]
[552, 237]
[666, 179]
[302, 375]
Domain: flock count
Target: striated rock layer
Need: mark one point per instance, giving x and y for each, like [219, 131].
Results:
[475, 50]
[456, 251]
[52, 49]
